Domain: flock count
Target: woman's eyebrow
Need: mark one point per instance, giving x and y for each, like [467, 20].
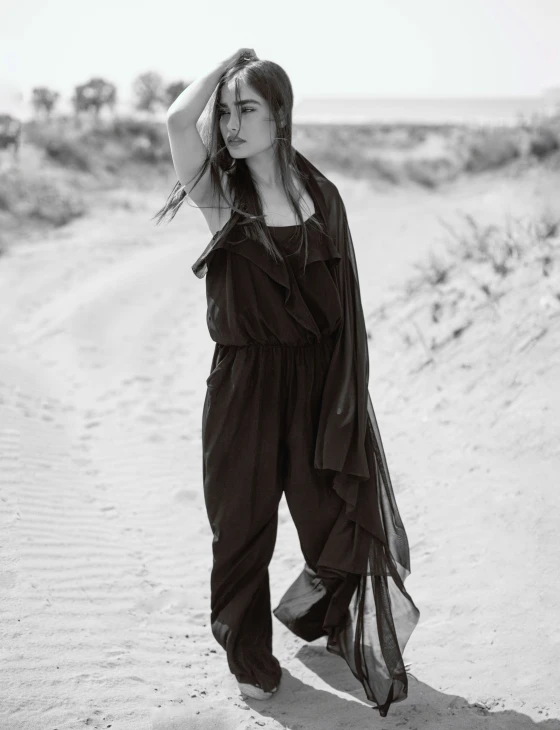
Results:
[243, 101]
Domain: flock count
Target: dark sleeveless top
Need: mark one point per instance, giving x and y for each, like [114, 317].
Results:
[254, 299]
[287, 237]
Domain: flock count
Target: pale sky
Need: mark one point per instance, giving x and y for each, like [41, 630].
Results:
[350, 47]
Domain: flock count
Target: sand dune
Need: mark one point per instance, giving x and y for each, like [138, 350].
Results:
[106, 550]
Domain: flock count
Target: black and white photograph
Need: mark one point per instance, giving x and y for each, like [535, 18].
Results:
[280, 365]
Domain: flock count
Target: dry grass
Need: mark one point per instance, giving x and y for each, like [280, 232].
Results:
[428, 155]
[484, 274]
[64, 161]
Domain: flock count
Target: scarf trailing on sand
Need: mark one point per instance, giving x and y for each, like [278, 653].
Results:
[371, 617]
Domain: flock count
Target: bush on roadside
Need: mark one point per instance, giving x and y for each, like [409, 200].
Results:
[41, 196]
[69, 153]
[147, 141]
[489, 149]
[544, 141]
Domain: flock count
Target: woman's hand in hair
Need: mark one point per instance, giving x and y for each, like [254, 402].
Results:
[243, 54]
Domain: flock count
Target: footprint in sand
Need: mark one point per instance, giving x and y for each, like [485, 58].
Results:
[185, 495]
[163, 600]
[92, 424]
[109, 510]
[148, 418]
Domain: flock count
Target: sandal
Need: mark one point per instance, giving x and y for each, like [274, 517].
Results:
[255, 691]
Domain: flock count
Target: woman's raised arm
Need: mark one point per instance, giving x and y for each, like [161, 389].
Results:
[187, 149]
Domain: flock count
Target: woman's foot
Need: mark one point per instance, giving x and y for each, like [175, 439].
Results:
[255, 691]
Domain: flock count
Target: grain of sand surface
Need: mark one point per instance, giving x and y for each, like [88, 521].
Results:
[105, 545]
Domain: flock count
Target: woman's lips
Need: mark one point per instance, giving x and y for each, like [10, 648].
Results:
[235, 142]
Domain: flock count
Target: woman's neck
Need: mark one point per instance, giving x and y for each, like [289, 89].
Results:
[265, 171]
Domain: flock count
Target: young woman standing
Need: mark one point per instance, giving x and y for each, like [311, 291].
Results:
[287, 408]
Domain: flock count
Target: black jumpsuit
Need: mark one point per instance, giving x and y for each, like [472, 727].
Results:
[276, 328]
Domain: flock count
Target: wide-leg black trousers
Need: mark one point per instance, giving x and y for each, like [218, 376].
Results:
[259, 425]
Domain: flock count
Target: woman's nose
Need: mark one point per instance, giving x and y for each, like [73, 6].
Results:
[233, 124]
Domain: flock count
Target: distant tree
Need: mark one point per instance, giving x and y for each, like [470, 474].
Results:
[94, 95]
[10, 133]
[149, 92]
[44, 100]
[173, 90]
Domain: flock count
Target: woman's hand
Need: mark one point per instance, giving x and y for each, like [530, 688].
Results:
[243, 54]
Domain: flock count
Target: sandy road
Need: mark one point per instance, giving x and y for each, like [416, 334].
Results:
[105, 544]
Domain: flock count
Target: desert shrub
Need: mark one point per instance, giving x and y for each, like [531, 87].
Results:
[128, 127]
[435, 270]
[146, 140]
[61, 143]
[54, 204]
[543, 142]
[69, 153]
[431, 172]
[46, 197]
[490, 149]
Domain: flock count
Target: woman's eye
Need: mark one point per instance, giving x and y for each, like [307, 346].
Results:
[245, 109]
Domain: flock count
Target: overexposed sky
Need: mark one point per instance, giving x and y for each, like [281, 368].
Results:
[350, 47]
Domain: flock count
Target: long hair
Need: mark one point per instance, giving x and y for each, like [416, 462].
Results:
[273, 84]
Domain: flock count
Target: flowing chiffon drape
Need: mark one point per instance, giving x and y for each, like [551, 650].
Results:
[381, 614]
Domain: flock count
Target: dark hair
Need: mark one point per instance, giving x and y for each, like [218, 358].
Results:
[273, 84]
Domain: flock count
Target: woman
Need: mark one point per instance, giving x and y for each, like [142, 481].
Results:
[287, 406]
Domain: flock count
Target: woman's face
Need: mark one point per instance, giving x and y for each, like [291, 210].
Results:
[249, 121]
